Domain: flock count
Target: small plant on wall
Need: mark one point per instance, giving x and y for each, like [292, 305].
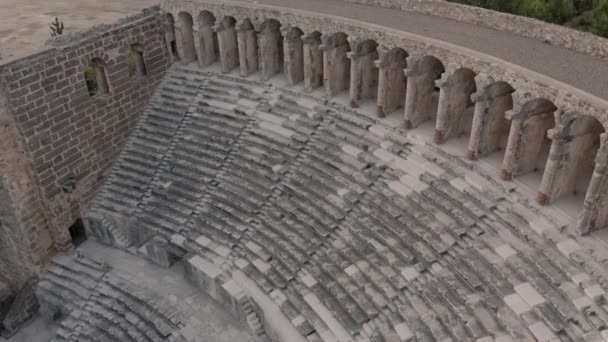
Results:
[56, 27]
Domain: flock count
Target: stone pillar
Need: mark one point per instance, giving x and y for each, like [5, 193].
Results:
[169, 27]
[228, 45]
[270, 44]
[206, 44]
[313, 61]
[293, 47]
[336, 65]
[363, 72]
[185, 38]
[489, 121]
[454, 98]
[595, 209]
[248, 48]
[421, 74]
[526, 136]
[549, 189]
[391, 80]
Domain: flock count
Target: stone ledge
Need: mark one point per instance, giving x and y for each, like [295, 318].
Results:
[583, 42]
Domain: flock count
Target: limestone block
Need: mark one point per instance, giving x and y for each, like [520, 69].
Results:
[596, 293]
[328, 318]
[517, 303]
[568, 246]
[277, 129]
[542, 333]
[410, 273]
[351, 150]
[204, 274]
[404, 332]
[400, 188]
[529, 294]
[505, 251]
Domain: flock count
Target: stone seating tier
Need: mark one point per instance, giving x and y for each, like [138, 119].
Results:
[353, 231]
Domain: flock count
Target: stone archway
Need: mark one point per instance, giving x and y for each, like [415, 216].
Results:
[421, 98]
[227, 44]
[170, 36]
[313, 61]
[454, 104]
[392, 81]
[207, 39]
[490, 128]
[336, 65]
[185, 40]
[248, 47]
[363, 71]
[528, 145]
[270, 43]
[575, 142]
[293, 47]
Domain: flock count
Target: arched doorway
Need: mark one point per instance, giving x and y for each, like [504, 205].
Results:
[293, 47]
[170, 36]
[248, 47]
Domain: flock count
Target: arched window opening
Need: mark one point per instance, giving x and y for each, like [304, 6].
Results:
[186, 37]
[136, 61]
[247, 48]
[228, 44]
[96, 79]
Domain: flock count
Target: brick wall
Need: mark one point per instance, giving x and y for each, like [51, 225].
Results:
[63, 134]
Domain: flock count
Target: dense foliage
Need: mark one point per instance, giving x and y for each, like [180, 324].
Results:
[586, 15]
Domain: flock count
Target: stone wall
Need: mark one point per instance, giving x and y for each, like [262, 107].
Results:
[62, 140]
[583, 42]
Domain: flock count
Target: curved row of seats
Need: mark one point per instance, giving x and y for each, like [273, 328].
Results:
[355, 232]
[98, 306]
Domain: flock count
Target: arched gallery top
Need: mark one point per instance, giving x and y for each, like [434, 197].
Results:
[524, 81]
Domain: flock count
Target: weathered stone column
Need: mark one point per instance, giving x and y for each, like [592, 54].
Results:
[336, 65]
[248, 48]
[228, 45]
[489, 122]
[529, 123]
[313, 61]
[363, 72]
[421, 74]
[206, 41]
[549, 189]
[293, 47]
[391, 80]
[185, 38]
[454, 98]
[595, 210]
[270, 44]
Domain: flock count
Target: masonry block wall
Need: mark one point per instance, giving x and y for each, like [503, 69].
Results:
[62, 140]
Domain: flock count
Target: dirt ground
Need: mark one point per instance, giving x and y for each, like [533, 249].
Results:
[24, 24]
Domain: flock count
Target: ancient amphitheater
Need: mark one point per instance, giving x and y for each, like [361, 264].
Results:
[319, 170]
